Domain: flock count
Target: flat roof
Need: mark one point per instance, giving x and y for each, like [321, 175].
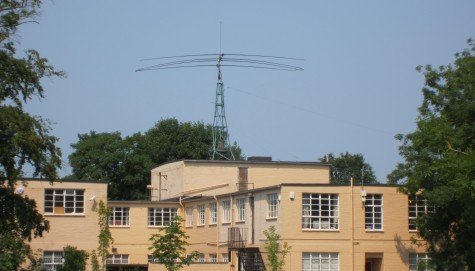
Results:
[337, 185]
[130, 202]
[307, 163]
[301, 184]
[61, 180]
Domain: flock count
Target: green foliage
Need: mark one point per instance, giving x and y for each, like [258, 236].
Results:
[24, 139]
[95, 266]
[105, 236]
[169, 246]
[275, 254]
[125, 162]
[440, 161]
[74, 259]
[349, 165]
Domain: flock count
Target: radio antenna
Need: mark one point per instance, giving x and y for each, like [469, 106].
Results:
[221, 149]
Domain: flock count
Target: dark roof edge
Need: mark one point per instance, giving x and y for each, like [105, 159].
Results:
[141, 202]
[249, 191]
[337, 185]
[61, 180]
[300, 184]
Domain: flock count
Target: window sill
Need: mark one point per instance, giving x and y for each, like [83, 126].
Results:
[241, 222]
[225, 223]
[374, 231]
[156, 227]
[271, 218]
[201, 226]
[212, 225]
[321, 230]
[119, 227]
[64, 215]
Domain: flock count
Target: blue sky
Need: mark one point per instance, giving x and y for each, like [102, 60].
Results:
[359, 87]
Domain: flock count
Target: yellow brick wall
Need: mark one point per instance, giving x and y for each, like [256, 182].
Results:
[394, 241]
[77, 230]
[134, 240]
[218, 178]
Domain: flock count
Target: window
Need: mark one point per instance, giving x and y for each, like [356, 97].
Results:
[225, 257]
[417, 207]
[201, 258]
[64, 201]
[160, 217]
[374, 212]
[213, 213]
[189, 216]
[320, 211]
[241, 209]
[119, 217]
[151, 259]
[201, 215]
[418, 262]
[272, 205]
[117, 259]
[226, 211]
[52, 260]
[213, 258]
[320, 262]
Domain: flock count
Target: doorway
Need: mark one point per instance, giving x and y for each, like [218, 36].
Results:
[374, 262]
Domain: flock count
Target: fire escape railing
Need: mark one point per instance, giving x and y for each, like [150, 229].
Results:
[237, 238]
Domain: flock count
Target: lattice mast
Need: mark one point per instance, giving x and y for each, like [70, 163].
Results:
[221, 148]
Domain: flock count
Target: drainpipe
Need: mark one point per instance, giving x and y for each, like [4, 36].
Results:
[231, 259]
[160, 187]
[251, 205]
[217, 226]
[182, 207]
[352, 228]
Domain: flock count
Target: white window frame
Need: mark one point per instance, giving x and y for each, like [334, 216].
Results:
[119, 217]
[241, 210]
[117, 259]
[201, 258]
[64, 201]
[151, 259]
[417, 206]
[160, 216]
[225, 257]
[213, 258]
[320, 211]
[201, 215]
[374, 212]
[189, 216]
[226, 211]
[415, 259]
[52, 260]
[320, 261]
[272, 205]
[213, 213]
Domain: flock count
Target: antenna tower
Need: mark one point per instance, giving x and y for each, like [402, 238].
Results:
[221, 148]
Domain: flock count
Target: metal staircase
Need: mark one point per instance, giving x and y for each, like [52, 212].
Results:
[250, 259]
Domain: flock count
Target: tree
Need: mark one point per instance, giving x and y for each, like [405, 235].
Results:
[346, 166]
[125, 162]
[24, 140]
[169, 246]
[275, 254]
[74, 259]
[439, 162]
